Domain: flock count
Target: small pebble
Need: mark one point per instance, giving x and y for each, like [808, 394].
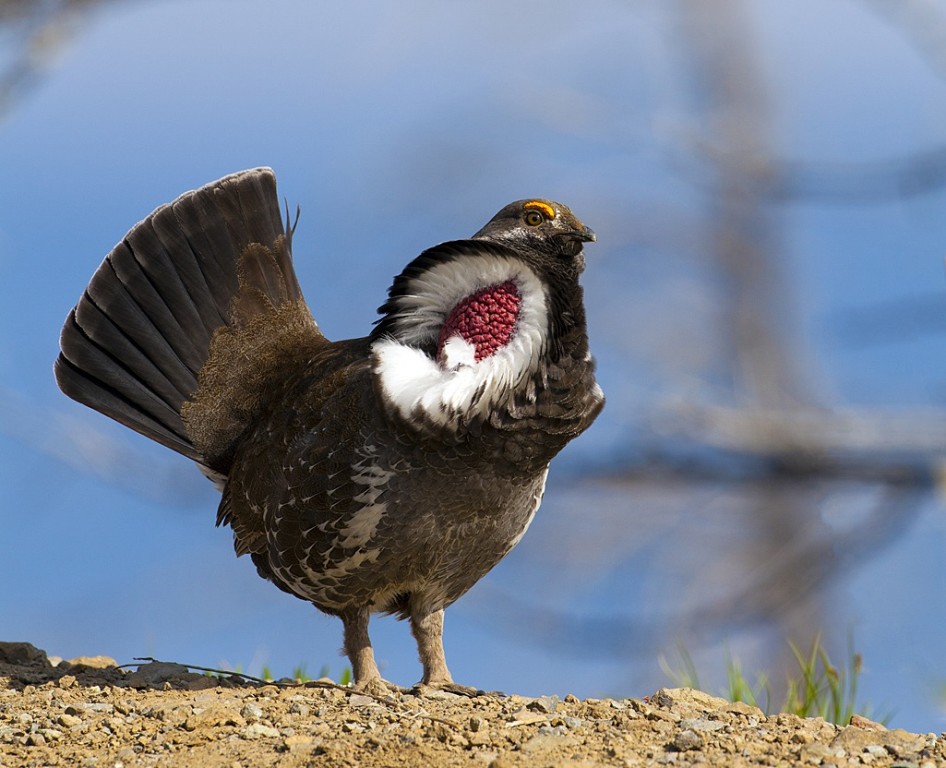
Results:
[524, 717]
[360, 700]
[35, 740]
[258, 731]
[439, 695]
[295, 744]
[544, 704]
[93, 662]
[69, 721]
[686, 740]
[702, 724]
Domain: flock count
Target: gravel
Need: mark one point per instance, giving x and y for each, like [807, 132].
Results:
[90, 713]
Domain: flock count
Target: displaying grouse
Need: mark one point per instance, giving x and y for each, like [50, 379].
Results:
[386, 473]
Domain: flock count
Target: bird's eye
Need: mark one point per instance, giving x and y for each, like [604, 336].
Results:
[534, 218]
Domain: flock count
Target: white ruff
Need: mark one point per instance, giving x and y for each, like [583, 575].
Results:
[413, 382]
[457, 351]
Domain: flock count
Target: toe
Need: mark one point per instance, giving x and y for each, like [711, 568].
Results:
[376, 686]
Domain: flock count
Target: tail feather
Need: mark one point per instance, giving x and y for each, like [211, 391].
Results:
[101, 382]
[138, 285]
[134, 346]
[218, 225]
[187, 287]
[95, 329]
[182, 235]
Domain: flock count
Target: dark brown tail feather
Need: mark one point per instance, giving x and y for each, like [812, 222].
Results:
[133, 346]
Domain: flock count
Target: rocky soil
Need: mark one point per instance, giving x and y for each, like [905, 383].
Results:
[88, 712]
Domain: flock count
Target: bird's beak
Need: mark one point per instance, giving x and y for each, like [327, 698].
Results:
[572, 239]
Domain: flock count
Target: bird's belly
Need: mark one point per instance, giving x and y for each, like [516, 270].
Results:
[431, 545]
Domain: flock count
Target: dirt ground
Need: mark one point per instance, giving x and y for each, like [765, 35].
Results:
[87, 712]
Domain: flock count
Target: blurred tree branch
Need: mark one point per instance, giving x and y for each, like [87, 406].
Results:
[923, 25]
[859, 184]
[31, 34]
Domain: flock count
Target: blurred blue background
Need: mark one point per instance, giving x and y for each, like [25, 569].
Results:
[766, 301]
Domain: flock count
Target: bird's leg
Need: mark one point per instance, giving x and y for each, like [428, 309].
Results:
[358, 649]
[428, 632]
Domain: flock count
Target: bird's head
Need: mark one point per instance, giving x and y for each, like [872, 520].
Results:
[542, 225]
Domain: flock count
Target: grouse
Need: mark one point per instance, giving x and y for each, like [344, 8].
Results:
[386, 473]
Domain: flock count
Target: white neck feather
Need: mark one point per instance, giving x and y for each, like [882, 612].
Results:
[413, 382]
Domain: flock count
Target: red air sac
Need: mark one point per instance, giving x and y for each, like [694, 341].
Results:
[486, 319]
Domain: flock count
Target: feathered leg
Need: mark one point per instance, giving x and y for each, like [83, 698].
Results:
[428, 632]
[358, 649]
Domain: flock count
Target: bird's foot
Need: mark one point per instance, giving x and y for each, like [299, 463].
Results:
[377, 687]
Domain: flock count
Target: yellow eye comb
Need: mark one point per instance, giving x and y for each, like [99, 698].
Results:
[547, 210]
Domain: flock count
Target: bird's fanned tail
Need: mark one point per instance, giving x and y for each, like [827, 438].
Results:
[135, 345]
